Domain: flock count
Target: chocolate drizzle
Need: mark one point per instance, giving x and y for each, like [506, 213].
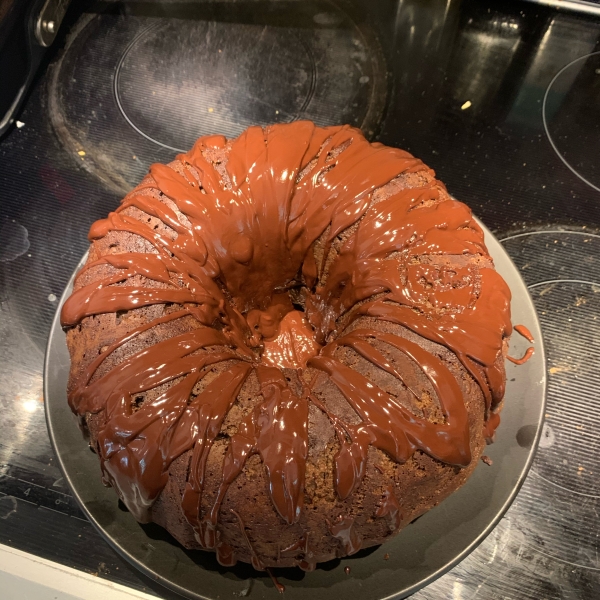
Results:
[236, 238]
[521, 361]
[524, 332]
[344, 529]
[390, 507]
[301, 552]
[277, 429]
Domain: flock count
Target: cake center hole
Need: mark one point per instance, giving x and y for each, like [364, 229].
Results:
[284, 332]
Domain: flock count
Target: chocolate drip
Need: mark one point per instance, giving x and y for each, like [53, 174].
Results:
[236, 236]
[522, 330]
[277, 429]
[390, 507]
[490, 426]
[521, 361]
[256, 562]
[225, 554]
[205, 416]
[294, 549]
[279, 586]
[301, 551]
[343, 528]
[386, 424]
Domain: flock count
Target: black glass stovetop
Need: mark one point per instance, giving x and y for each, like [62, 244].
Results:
[502, 99]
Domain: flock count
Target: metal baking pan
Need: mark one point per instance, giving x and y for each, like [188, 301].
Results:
[422, 552]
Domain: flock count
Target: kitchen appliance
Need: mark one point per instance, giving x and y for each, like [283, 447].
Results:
[499, 97]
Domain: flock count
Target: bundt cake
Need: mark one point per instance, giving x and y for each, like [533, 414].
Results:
[287, 346]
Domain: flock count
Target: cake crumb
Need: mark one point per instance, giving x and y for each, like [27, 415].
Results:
[487, 460]
[386, 556]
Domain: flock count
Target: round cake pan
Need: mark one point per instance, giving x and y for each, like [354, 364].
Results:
[423, 551]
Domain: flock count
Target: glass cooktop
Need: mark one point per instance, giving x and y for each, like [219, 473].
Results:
[501, 98]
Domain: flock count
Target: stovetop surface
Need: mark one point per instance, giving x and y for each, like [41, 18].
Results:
[502, 99]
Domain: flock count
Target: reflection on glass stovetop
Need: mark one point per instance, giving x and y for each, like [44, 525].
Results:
[501, 98]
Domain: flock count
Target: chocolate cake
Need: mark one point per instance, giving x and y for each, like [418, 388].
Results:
[287, 346]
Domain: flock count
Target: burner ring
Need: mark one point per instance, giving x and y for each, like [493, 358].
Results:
[133, 90]
[280, 115]
[543, 447]
[562, 492]
[554, 142]
[564, 279]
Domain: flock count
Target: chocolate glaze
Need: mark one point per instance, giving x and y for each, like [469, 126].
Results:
[522, 330]
[344, 529]
[256, 562]
[237, 239]
[277, 429]
[301, 551]
[520, 361]
[390, 507]
[279, 586]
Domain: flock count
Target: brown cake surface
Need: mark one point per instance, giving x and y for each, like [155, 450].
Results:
[287, 346]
